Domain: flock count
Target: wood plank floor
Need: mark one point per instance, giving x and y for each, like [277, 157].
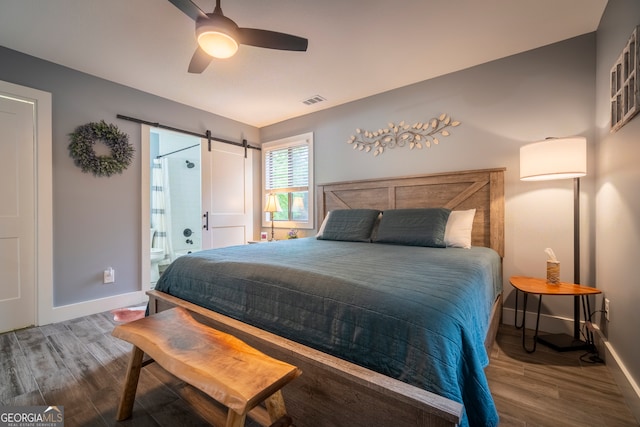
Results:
[547, 388]
[79, 365]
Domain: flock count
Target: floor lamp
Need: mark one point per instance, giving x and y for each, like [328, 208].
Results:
[273, 206]
[560, 158]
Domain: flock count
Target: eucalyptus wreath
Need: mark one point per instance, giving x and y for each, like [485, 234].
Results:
[82, 152]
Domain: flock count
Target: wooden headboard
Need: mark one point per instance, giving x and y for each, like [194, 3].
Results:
[479, 189]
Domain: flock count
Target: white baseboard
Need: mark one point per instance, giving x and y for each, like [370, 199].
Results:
[557, 325]
[629, 388]
[85, 308]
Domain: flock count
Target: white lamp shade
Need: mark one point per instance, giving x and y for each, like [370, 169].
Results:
[273, 205]
[557, 158]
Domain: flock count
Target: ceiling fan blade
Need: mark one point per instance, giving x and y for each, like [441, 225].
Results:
[272, 39]
[199, 61]
[189, 8]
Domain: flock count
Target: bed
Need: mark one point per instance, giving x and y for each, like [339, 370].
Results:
[386, 333]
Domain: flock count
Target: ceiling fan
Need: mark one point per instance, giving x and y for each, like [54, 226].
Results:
[219, 37]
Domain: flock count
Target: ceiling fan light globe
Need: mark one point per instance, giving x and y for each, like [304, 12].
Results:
[217, 44]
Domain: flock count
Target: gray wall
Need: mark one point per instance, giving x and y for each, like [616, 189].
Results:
[617, 195]
[502, 105]
[96, 221]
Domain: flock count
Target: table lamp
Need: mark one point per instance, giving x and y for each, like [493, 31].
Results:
[273, 206]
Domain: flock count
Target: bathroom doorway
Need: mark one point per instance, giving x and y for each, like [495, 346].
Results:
[175, 197]
[175, 193]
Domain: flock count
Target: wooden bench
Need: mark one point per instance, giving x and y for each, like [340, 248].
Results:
[220, 365]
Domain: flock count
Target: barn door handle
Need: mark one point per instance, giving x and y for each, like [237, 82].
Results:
[206, 221]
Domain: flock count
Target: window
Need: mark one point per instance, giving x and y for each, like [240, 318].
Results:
[288, 173]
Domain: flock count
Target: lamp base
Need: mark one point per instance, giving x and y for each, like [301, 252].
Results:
[563, 342]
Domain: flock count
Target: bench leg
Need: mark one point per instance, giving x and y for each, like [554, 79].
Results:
[130, 384]
[275, 406]
[234, 419]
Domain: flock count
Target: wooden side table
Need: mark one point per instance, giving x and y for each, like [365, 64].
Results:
[532, 285]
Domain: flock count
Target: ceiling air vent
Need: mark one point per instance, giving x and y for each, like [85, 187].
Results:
[314, 100]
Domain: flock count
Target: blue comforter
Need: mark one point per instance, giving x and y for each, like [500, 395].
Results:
[416, 314]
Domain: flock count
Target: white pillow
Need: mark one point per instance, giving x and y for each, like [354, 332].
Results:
[457, 234]
[324, 224]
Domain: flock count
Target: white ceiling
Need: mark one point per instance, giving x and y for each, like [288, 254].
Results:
[357, 48]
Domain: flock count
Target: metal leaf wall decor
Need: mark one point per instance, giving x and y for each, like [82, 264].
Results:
[420, 135]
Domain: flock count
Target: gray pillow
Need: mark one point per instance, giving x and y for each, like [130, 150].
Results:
[413, 227]
[352, 225]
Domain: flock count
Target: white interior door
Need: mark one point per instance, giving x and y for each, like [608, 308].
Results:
[17, 213]
[226, 195]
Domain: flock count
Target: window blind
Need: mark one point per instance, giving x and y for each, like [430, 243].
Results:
[287, 168]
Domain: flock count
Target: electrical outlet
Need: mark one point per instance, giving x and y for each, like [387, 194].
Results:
[606, 309]
[109, 275]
